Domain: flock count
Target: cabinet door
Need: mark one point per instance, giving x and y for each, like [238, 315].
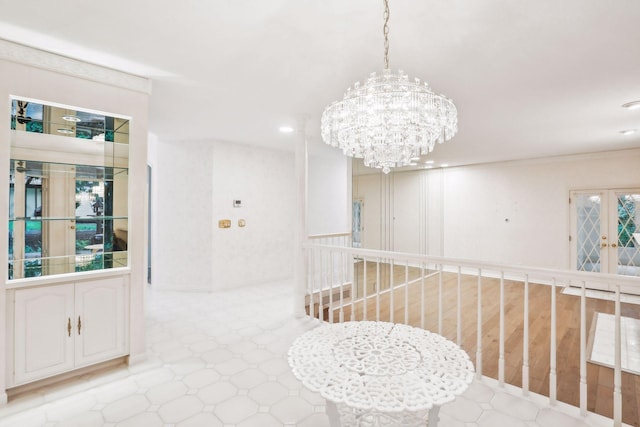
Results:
[100, 320]
[44, 341]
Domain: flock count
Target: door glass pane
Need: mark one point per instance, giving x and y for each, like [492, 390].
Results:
[588, 208]
[629, 234]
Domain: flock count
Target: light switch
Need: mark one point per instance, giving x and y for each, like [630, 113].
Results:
[242, 223]
[224, 223]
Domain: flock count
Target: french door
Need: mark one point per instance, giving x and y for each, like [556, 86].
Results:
[605, 234]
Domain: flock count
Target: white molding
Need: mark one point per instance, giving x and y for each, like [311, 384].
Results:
[49, 61]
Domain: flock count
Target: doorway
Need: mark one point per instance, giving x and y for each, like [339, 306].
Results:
[605, 231]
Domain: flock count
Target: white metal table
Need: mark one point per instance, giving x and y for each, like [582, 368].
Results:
[380, 373]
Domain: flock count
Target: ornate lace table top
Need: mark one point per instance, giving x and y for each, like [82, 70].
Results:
[380, 366]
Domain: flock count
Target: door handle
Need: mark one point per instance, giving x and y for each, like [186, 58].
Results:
[69, 326]
[79, 325]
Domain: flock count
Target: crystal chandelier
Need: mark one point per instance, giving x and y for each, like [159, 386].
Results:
[390, 120]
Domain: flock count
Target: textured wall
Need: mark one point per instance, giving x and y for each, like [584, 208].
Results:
[195, 184]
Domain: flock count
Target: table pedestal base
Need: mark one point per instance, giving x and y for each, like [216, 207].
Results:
[343, 415]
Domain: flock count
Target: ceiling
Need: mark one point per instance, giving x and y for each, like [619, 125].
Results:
[529, 78]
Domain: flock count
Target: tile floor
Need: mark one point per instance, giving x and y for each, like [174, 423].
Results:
[219, 360]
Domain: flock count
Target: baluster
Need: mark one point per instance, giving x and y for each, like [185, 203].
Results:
[392, 305]
[501, 339]
[330, 315]
[406, 293]
[459, 308]
[422, 268]
[321, 290]
[617, 372]
[525, 340]
[583, 350]
[311, 283]
[341, 287]
[440, 309]
[552, 355]
[479, 337]
[378, 289]
[364, 289]
[348, 265]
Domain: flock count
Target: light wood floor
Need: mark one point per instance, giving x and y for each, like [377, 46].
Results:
[599, 379]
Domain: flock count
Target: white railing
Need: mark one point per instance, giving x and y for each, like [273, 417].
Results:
[401, 280]
[332, 272]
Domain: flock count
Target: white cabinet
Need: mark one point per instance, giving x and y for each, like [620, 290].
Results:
[59, 328]
[44, 343]
[100, 321]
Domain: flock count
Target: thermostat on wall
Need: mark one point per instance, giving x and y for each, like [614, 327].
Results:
[237, 203]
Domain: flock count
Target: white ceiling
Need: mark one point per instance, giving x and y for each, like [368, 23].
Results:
[530, 78]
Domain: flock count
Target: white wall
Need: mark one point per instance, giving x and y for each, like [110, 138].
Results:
[194, 186]
[328, 201]
[511, 212]
[181, 214]
[265, 182]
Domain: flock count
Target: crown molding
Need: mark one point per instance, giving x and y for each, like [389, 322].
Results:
[38, 58]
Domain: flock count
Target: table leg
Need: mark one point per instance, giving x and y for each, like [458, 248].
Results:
[332, 413]
[433, 416]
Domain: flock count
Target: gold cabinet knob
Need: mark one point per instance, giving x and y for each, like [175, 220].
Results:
[614, 245]
[603, 245]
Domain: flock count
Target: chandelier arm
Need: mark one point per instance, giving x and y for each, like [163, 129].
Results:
[385, 31]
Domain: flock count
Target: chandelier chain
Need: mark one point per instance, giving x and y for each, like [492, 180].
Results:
[385, 30]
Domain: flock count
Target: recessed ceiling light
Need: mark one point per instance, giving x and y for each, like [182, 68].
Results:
[629, 131]
[444, 165]
[633, 105]
[65, 131]
[428, 166]
[74, 119]
[429, 162]
[285, 129]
